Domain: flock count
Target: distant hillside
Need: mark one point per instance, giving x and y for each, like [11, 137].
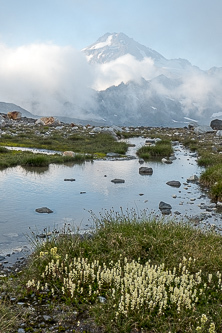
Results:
[7, 107]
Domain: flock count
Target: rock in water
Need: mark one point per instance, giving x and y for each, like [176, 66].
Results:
[165, 208]
[145, 171]
[174, 183]
[117, 181]
[44, 210]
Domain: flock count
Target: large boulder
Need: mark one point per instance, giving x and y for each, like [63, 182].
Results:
[14, 115]
[48, 121]
[203, 129]
[216, 124]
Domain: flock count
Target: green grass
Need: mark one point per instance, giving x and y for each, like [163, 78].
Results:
[85, 146]
[146, 252]
[80, 143]
[162, 148]
[28, 159]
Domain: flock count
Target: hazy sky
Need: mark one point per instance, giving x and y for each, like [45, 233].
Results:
[190, 29]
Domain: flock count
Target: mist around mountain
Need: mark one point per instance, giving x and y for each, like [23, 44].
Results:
[149, 89]
[116, 80]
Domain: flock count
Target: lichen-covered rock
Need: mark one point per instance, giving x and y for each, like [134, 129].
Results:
[14, 115]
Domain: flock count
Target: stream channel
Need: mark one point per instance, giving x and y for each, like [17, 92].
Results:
[22, 191]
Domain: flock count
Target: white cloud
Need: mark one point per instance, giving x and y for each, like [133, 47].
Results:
[41, 77]
[123, 69]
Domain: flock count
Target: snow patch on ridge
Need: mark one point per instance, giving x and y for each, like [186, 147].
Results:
[102, 44]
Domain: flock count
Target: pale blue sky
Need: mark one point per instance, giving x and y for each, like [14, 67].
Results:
[190, 29]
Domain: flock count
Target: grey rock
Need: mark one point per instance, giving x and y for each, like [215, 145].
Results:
[216, 124]
[193, 178]
[102, 299]
[150, 141]
[219, 133]
[2, 258]
[117, 181]
[166, 161]
[203, 129]
[174, 183]
[172, 158]
[163, 206]
[69, 179]
[145, 171]
[44, 210]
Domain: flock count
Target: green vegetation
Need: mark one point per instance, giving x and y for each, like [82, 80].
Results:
[136, 272]
[60, 141]
[162, 148]
[12, 158]
[85, 146]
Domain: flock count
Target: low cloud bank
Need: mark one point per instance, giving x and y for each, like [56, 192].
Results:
[46, 79]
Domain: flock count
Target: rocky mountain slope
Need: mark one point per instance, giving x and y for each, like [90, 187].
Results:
[165, 93]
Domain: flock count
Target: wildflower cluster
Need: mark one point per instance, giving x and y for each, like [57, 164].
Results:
[129, 286]
[203, 322]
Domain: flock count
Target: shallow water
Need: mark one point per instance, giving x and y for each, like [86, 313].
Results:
[24, 190]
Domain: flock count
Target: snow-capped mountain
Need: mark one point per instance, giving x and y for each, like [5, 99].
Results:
[142, 87]
[112, 46]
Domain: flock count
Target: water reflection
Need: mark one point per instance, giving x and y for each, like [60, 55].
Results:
[22, 190]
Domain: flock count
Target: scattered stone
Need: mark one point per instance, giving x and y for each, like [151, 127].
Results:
[44, 210]
[2, 258]
[141, 160]
[193, 179]
[82, 192]
[216, 124]
[68, 153]
[174, 183]
[117, 181]
[166, 161]
[145, 171]
[165, 208]
[69, 179]
[172, 158]
[219, 133]
[48, 121]
[149, 142]
[102, 299]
